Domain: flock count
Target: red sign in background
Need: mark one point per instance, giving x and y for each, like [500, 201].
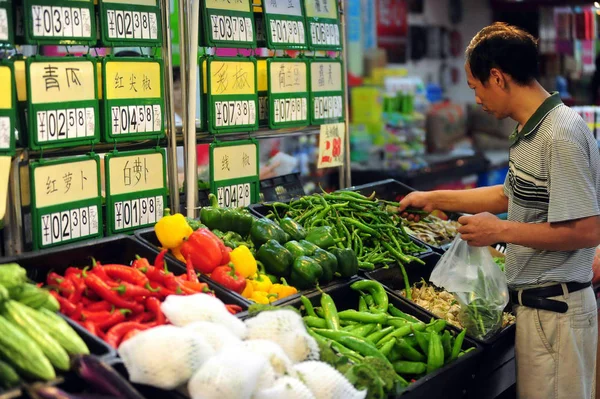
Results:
[392, 28]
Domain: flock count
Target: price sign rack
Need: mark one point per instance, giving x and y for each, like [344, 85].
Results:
[133, 98]
[263, 92]
[234, 172]
[5, 161]
[7, 36]
[232, 98]
[66, 200]
[327, 97]
[288, 92]
[227, 24]
[57, 22]
[62, 109]
[133, 22]
[8, 106]
[285, 25]
[136, 189]
[323, 31]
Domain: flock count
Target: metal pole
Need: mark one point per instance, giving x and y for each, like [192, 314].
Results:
[191, 154]
[345, 171]
[167, 52]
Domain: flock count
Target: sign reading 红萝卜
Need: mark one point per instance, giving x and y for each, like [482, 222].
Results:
[62, 107]
[331, 145]
[66, 200]
[57, 21]
[231, 93]
[8, 106]
[135, 189]
[234, 172]
[228, 23]
[132, 98]
[323, 28]
[326, 91]
[284, 24]
[288, 92]
[7, 37]
[131, 22]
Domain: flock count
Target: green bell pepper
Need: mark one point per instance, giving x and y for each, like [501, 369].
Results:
[210, 216]
[264, 230]
[295, 249]
[195, 224]
[305, 273]
[347, 261]
[276, 258]
[309, 247]
[328, 263]
[292, 228]
[245, 222]
[236, 220]
[322, 237]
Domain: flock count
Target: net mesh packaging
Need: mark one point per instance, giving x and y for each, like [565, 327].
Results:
[325, 382]
[216, 335]
[285, 387]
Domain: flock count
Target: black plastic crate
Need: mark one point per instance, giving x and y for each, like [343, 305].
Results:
[393, 190]
[448, 382]
[281, 188]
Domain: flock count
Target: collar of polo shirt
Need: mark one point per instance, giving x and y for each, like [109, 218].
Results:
[548, 105]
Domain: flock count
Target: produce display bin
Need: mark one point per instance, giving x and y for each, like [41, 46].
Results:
[148, 237]
[393, 190]
[393, 280]
[281, 188]
[448, 382]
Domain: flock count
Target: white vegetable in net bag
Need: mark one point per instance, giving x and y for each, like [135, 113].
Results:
[275, 355]
[325, 382]
[183, 310]
[232, 374]
[286, 328]
[164, 356]
[216, 335]
[285, 387]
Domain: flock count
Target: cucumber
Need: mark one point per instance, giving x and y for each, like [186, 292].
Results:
[12, 275]
[24, 354]
[8, 376]
[60, 330]
[35, 297]
[15, 312]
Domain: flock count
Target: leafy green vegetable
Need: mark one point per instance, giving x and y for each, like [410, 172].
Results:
[256, 308]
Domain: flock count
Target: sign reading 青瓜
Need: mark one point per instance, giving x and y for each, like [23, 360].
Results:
[288, 92]
[326, 91]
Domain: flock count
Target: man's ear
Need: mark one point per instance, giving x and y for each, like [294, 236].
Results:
[498, 78]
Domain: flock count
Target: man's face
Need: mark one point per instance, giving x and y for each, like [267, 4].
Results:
[490, 96]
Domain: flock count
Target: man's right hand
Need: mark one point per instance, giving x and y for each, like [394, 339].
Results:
[418, 200]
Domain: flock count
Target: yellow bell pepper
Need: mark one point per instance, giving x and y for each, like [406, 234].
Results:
[283, 290]
[263, 297]
[244, 261]
[248, 291]
[261, 283]
[172, 230]
[177, 253]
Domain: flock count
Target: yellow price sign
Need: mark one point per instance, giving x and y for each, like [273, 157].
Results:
[6, 82]
[234, 5]
[129, 80]
[232, 77]
[4, 178]
[65, 182]
[234, 162]
[326, 76]
[288, 77]
[151, 3]
[321, 8]
[54, 81]
[135, 173]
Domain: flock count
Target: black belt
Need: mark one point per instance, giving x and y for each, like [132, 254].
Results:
[536, 297]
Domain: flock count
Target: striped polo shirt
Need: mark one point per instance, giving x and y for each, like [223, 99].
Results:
[554, 176]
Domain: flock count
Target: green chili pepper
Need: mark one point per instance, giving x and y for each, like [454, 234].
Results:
[447, 344]
[422, 340]
[387, 348]
[369, 300]
[378, 335]
[458, 344]
[435, 355]
[401, 332]
[315, 322]
[360, 345]
[394, 311]
[437, 326]
[308, 307]
[363, 317]
[363, 330]
[376, 290]
[408, 352]
[362, 305]
[409, 368]
[331, 314]
[462, 353]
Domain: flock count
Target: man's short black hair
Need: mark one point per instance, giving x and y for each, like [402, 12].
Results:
[506, 47]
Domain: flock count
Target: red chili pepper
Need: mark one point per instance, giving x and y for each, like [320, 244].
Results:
[99, 306]
[204, 250]
[86, 301]
[191, 273]
[66, 307]
[159, 276]
[153, 306]
[99, 270]
[140, 263]
[229, 278]
[159, 289]
[118, 316]
[91, 327]
[159, 261]
[76, 315]
[142, 317]
[116, 333]
[96, 316]
[105, 292]
[79, 287]
[127, 290]
[197, 287]
[131, 334]
[126, 273]
[233, 309]
[54, 279]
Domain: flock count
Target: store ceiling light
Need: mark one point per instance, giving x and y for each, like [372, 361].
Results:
[596, 4]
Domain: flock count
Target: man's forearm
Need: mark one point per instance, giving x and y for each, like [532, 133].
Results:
[565, 236]
[477, 200]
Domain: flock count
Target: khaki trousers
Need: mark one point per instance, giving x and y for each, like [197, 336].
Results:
[556, 352]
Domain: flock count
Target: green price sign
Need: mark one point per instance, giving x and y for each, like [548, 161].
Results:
[232, 95]
[323, 25]
[126, 23]
[284, 24]
[288, 92]
[228, 23]
[66, 201]
[133, 98]
[57, 22]
[136, 189]
[326, 91]
[62, 107]
[234, 172]
[6, 24]
[8, 106]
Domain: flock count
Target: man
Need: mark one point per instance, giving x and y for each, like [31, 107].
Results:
[552, 196]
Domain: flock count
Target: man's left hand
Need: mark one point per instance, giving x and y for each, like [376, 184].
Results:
[481, 230]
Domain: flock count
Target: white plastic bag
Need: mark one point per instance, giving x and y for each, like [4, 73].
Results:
[478, 285]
